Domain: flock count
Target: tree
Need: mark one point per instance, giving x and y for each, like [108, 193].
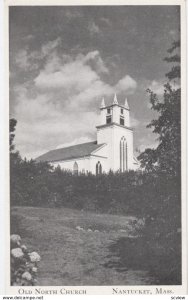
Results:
[12, 128]
[28, 179]
[15, 166]
[167, 156]
[15, 157]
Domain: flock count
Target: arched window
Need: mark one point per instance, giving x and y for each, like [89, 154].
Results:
[75, 168]
[98, 168]
[123, 155]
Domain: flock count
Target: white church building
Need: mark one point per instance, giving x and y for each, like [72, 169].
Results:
[113, 149]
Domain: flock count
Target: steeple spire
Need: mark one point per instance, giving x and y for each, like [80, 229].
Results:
[102, 103]
[126, 103]
[115, 99]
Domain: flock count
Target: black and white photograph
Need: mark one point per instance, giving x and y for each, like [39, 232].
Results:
[95, 143]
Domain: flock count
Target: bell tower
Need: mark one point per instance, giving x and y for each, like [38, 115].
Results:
[115, 113]
[115, 131]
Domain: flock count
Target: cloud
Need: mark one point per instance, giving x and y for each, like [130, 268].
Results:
[105, 21]
[43, 124]
[148, 141]
[143, 147]
[75, 74]
[79, 79]
[59, 105]
[28, 37]
[157, 87]
[50, 46]
[99, 64]
[174, 33]
[126, 84]
[91, 94]
[22, 59]
[30, 60]
[93, 28]
[71, 14]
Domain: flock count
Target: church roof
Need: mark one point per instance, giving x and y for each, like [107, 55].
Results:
[71, 152]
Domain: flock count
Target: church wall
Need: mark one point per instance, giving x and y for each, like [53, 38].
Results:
[83, 164]
[94, 160]
[105, 135]
[112, 136]
[116, 113]
[127, 117]
[108, 155]
[119, 132]
[103, 151]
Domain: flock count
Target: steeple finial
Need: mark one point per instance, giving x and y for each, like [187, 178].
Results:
[126, 103]
[102, 103]
[115, 99]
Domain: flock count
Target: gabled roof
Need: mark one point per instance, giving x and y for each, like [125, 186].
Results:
[71, 152]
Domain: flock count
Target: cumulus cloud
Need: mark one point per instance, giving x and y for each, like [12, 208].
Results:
[157, 87]
[148, 141]
[22, 59]
[50, 46]
[72, 75]
[75, 74]
[42, 124]
[143, 147]
[30, 60]
[67, 91]
[94, 57]
[126, 84]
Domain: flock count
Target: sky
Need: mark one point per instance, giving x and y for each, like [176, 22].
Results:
[64, 60]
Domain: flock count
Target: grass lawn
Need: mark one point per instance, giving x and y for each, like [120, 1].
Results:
[80, 248]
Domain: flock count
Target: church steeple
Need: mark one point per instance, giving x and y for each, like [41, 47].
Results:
[116, 113]
[126, 104]
[115, 132]
[115, 99]
[102, 103]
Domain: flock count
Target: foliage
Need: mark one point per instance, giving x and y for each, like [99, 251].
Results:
[23, 263]
[163, 224]
[167, 156]
[150, 196]
[28, 185]
[12, 128]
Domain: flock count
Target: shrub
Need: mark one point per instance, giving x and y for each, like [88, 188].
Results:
[24, 264]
